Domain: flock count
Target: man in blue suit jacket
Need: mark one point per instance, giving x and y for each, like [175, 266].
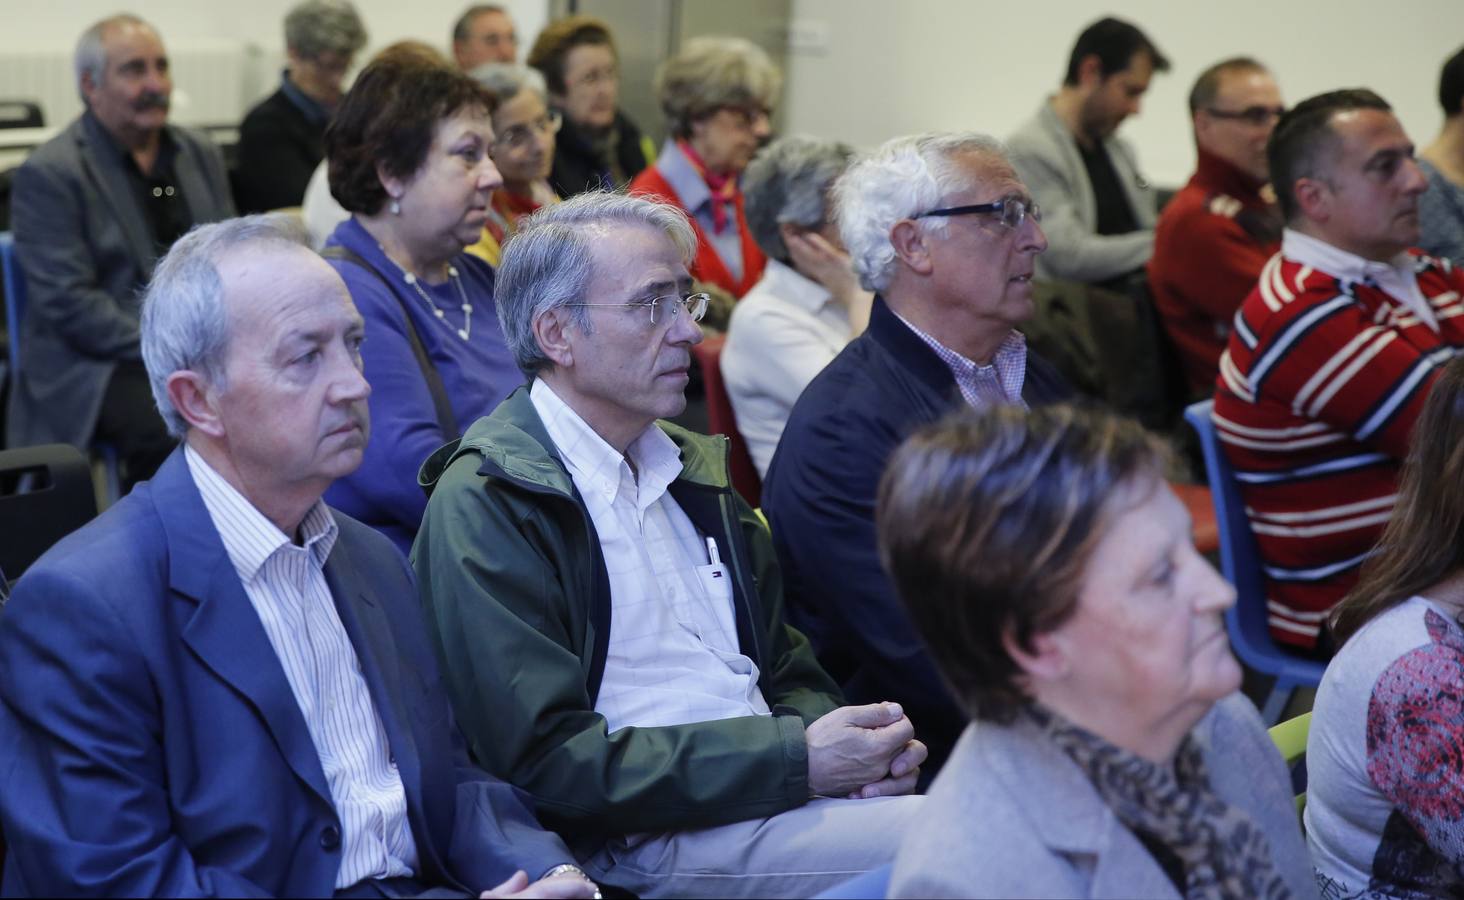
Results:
[220, 686]
[944, 230]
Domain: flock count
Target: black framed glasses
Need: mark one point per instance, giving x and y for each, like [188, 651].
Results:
[1010, 211]
[1252, 115]
[663, 309]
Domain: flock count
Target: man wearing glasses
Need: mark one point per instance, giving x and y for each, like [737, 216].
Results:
[944, 231]
[1216, 234]
[609, 611]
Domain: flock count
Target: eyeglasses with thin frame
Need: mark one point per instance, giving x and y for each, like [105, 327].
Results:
[1011, 211]
[694, 305]
[521, 136]
[1259, 116]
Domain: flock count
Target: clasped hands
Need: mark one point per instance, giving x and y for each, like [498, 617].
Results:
[862, 752]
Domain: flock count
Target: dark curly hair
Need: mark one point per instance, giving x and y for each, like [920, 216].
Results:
[388, 119]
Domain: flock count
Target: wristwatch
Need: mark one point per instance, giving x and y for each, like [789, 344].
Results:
[576, 871]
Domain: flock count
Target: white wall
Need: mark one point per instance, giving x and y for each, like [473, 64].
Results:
[894, 68]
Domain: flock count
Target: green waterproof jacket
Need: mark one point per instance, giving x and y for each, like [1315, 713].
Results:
[513, 581]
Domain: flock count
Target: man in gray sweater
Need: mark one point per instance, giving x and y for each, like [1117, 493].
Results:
[1099, 211]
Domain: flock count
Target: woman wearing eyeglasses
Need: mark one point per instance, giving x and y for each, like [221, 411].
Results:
[410, 153]
[524, 128]
[718, 94]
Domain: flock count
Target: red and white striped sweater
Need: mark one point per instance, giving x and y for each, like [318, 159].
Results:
[1314, 405]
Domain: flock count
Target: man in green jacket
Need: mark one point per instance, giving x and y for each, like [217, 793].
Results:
[609, 612]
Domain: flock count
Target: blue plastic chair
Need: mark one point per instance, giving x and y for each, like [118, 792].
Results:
[872, 885]
[1240, 562]
[15, 300]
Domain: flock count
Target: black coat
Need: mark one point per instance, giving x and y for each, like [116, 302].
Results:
[279, 148]
[819, 497]
[577, 168]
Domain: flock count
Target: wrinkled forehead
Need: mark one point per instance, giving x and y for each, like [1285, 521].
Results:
[1357, 135]
[272, 288]
[630, 256]
[123, 41]
[980, 175]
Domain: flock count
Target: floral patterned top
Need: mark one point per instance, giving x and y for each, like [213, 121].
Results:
[1385, 759]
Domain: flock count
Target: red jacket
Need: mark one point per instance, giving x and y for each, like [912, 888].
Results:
[707, 266]
[1212, 239]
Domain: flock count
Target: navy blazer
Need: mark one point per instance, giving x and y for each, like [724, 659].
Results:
[819, 497]
[150, 743]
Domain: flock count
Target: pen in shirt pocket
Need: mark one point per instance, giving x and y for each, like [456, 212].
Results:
[713, 556]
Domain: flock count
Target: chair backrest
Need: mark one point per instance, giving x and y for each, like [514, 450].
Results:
[13, 281]
[1240, 560]
[1290, 738]
[21, 114]
[45, 494]
[722, 420]
[872, 885]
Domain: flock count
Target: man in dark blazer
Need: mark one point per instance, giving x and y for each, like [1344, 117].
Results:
[221, 686]
[944, 231]
[92, 210]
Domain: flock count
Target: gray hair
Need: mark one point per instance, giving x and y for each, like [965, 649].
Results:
[185, 325]
[788, 183]
[90, 57]
[903, 178]
[711, 73]
[505, 80]
[547, 263]
[464, 22]
[316, 27]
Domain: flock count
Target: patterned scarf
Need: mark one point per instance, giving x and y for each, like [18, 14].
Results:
[1224, 853]
[723, 186]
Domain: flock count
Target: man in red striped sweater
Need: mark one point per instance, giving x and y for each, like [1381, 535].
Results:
[1333, 353]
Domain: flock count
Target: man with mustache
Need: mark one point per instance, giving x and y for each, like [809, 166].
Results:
[1333, 354]
[940, 227]
[608, 610]
[223, 687]
[1100, 210]
[92, 210]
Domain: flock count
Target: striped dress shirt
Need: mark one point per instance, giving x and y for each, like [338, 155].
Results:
[673, 656]
[997, 384]
[1328, 366]
[287, 587]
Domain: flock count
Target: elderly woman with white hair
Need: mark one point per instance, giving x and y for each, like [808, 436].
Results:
[718, 95]
[807, 305]
[523, 150]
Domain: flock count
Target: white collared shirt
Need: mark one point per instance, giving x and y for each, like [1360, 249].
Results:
[287, 587]
[998, 383]
[783, 333]
[1398, 278]
[673, 656]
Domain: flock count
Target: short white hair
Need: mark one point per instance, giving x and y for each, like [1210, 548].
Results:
[903, 178]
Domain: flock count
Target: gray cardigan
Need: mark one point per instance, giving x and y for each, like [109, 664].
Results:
[1011, 815]
[1046, 157]
[83, 242]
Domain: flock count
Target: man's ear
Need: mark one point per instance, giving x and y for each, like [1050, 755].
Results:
[1090, 71]
[1314, 198]
[196, 401]
[910, 243]
[1047, 660]
[555, 333]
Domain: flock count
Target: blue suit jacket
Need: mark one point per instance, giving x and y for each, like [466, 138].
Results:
[819, 498]
[150, 743]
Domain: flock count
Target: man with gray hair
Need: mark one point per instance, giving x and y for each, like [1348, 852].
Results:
[282, 139]
[92, 210]
[608, 610]
[221, 687]
[484, 33]
[944, 231]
